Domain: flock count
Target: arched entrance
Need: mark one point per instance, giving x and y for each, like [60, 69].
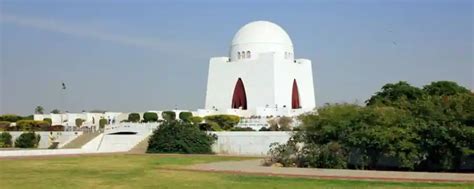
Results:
[295, 96]
[239, 99]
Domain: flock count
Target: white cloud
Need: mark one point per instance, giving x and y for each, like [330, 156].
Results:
[92, 33]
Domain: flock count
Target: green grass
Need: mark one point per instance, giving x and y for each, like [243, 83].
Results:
[147, 171]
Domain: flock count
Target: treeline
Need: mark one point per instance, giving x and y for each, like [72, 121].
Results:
[402, 127]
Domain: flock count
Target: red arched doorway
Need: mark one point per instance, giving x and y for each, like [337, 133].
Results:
[295, 96]
[239, 99]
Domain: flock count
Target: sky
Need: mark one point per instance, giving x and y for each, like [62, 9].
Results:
[154, 55]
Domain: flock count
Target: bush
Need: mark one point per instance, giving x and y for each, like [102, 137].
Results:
[79, 122]
[225, 122]
[27, 140]
[168, 115]
[31, 125]
[242, 129]
[102, 123]
[4, 125]
[180, 137]
[10, 117]
[150, 117]
[185, 116]
[196, 120]
[134, 117]
[56, 128]
[5, 140]
[49, 120]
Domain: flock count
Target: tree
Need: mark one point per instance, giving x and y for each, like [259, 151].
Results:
[79, 122]
[185, 116]
[284, 123]
[39, 110]
[10, 117]
[180, 137]
[225, 122]
[196, 120]
[168, 115]
[55, 111]
[49, 120]
[134, 117]
[150, 117]
[5, 140]
[102, 123]
[27, 140]
[444, 88]
[391, 93]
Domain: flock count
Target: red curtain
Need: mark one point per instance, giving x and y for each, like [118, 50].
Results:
[295, 96]
[239, 99]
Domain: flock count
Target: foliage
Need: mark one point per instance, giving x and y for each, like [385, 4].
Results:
[134, 117]
[279, 124]
[180, 137]
[32, 125]
[168, 115]
[241, 129]
[4, 125]
[196, 120]
[49, 120]
[79, 122]
[225, 122]
[150, 117]
[5, 140]
[444, 88]
[102, 123]
[10, 117]
[39, 110]
[426, 130]
[56, 128]
[55, 111]
[185, 116]
[27, 140]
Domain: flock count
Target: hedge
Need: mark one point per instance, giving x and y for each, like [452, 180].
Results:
[31, 125]
[150, 117]
[134, 117]
[5, 140]
[27, 140]
[4, 125]
[168, 115]
[49, 120]
[102, 123]
[185, 116]
[225, 122]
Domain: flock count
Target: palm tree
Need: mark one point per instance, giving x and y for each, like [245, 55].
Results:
[39, 110]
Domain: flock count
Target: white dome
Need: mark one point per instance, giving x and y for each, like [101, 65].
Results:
[261, 32]
[256, 38]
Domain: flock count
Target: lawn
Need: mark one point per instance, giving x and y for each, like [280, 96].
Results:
[149, 171]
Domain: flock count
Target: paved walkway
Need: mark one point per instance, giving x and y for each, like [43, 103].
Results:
[254, 167]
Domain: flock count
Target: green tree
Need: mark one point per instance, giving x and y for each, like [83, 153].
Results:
[55, 111]
[102, 123]
[39, 110]
[444, 88]
[225, 122]
[180, 137]
[79, 122]
[196, 120]
[5, 140]
[134, 117]
[27, 140]
[168, 115]
[185, 116]
[391, 93]
[10, 117]
[150, 117]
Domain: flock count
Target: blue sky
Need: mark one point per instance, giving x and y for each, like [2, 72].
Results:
[150, 55]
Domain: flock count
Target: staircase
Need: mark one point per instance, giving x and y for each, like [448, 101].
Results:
[81, 140]
[141, 147]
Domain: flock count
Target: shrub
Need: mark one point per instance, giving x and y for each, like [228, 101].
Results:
[180, 137]
[242, 129]
[185, 116]
[4, 125]
[5, 140]
[225, 122]
[79, 122]
[49, 120]
[27, 140]
[168, 115]
[56, 128]
[150, 117]
[134, 117]
[10, 117]
[196, 120]
[102, 123]
[31, 125]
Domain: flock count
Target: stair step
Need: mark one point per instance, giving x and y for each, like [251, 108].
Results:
[81, 140]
